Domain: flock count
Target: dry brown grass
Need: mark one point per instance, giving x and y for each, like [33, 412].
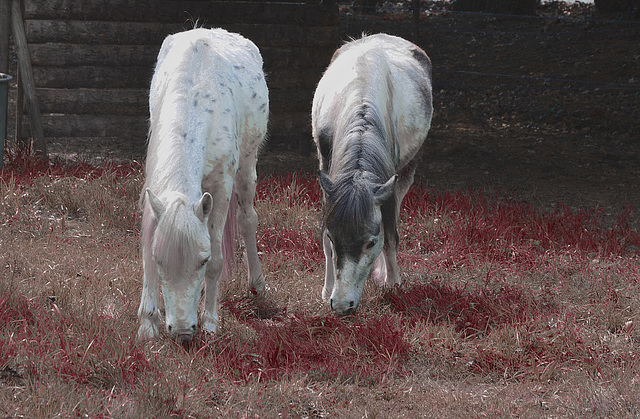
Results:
[505, 312]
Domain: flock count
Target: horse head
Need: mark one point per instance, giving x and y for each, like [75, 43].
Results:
[181, 249]
[354, 229]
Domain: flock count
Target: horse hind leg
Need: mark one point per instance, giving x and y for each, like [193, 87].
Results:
[245, 189]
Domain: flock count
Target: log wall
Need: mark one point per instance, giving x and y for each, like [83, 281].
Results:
[93, 61]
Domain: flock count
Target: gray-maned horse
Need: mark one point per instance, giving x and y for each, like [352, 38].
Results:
[208, 107]
[371, 113]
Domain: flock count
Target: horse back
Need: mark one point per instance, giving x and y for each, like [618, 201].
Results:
[388, 71]
[208, 102]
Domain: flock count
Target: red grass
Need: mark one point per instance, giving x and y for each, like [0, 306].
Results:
[472, 313]
[294, 244]
[323, 346]
[63, 348]
[463, 230]
[24, 168]
[299, 189]
[489, 229]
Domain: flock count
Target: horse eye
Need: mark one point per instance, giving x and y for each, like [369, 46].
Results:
[204, 262]
[371, 244]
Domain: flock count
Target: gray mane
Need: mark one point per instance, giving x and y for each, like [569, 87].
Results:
[366, 162]
[174, 236]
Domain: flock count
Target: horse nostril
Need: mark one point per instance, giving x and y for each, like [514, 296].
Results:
[193, 327]
[331, 303]
[351, 304]
[183, 338]
[169, 327]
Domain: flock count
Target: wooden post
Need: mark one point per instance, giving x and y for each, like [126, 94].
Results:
[26, 78]
[415, 5]
[5, 30]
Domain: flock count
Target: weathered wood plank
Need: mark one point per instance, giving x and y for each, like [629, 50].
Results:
[69, 55]
[204, 12]
[136, 33]
[93, 77]
[135, 101]
[292, 58]
[136, 127]
[290, 122]
[290, 100]
[140, 77]
[99, 33]
[123, 126]
[94, 101]
[86, 55]
[95, 149]
[305, 78]
[93, 60]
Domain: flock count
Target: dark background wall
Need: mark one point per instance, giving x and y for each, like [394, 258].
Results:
[93, 61]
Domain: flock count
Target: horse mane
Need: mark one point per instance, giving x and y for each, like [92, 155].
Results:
[350, 204]
[174, 235]
[174, 89]
[365, 164]
[365, 157]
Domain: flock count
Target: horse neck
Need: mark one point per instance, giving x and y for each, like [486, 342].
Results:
[175, 164]
[364, 146]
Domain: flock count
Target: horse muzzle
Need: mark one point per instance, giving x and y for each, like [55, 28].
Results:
[343, 308]
[182, 336]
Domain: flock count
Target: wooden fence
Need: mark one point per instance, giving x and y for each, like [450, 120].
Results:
[92, 62]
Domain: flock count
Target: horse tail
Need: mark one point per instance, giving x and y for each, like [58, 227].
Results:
[229, 235]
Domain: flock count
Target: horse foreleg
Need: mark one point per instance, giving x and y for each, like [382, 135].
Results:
[248, 224]
[212, 278]
[216, 223]
[213, 271]
[330, 274]
[390, 250]
[389, 257]
[148, 314]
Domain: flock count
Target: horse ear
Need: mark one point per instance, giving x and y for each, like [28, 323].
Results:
[325, 182]
[204, 206]
[383, 192]
[157, 206]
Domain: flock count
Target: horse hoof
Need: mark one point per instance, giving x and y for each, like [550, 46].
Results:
[258, 286]
[210, 326]
[147, 331]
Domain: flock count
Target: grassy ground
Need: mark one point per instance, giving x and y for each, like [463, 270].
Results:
[505, 311]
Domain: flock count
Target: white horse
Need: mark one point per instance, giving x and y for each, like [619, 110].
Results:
[371, 113]
[209, 107]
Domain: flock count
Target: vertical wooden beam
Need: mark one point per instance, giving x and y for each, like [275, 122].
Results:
[415, 5]
[4, 89]
[26, 78]
[5, 31]
[19, 112]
